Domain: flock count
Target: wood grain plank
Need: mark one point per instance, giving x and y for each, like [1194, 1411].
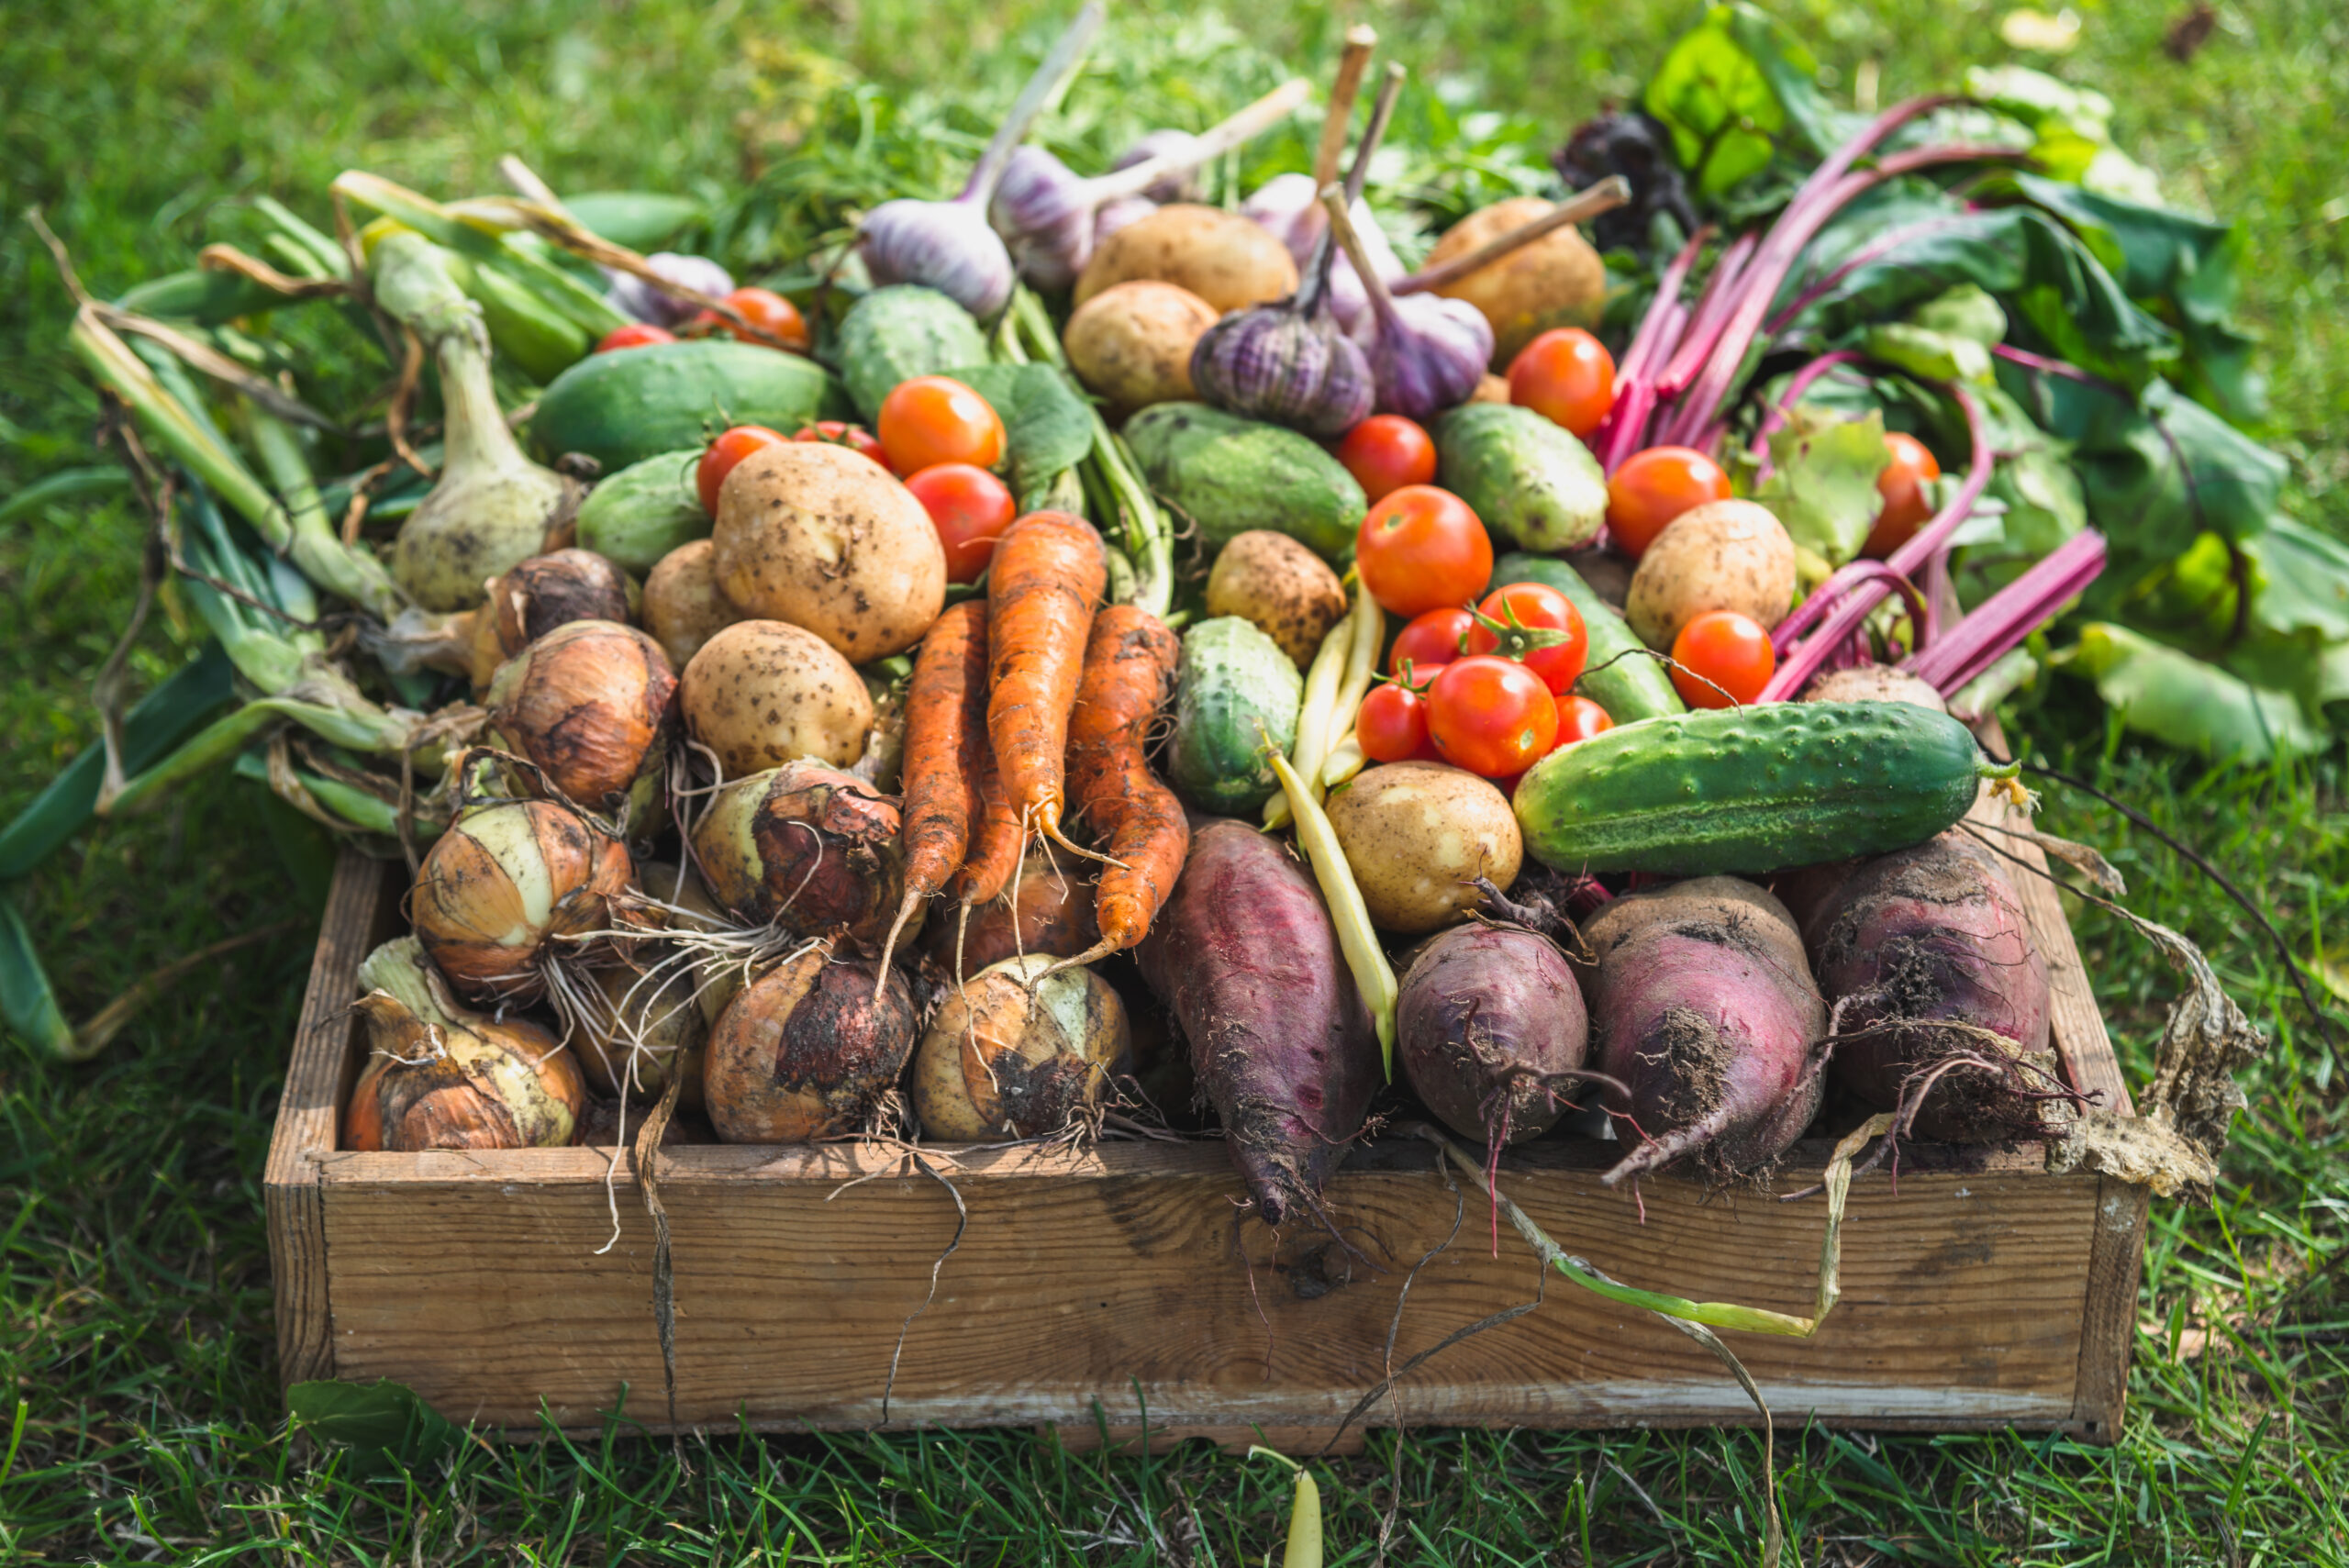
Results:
[1964, 1296]
[306, 1114]
[2108, 1332]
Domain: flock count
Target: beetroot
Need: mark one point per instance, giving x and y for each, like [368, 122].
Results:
[1915, 940]
[1703, 1007]
[1245, 956]
[1487, 1013]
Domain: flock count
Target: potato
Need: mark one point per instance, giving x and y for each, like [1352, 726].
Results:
[826, 539]
[1014, 1055]
[682, 609]
[1873, 682]
[1223, 258]
[1557, 281]
[1724, 555]
[1490, 388]
[1133, 343]
[1416, 834]
[761, 694]
[1289, 592]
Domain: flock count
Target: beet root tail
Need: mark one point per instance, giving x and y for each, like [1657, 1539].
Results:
[1660, 1151]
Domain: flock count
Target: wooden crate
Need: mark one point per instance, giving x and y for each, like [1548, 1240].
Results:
[1978, 1291]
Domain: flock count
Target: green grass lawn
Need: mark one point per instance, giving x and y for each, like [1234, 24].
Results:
[140, 1420]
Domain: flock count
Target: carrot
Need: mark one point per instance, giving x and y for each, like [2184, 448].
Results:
[996, 841]
[945, 731]
[1129, 674]
[1044, 583]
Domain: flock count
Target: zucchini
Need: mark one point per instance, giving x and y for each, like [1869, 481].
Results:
[896, 333]
[1238, 693]
[621, 408]
[1752, 789]
[1635, 685]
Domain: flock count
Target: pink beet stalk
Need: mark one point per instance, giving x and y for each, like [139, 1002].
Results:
[1618, 434]
[1846, 604]
[1713, 308]
[1775, 418]
[2001, 621]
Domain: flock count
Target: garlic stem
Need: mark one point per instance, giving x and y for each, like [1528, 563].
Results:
[1211, 143]
[1605, 196]
[1333, 201]
[1361, 40]
[1051, 75]
[1317, 280]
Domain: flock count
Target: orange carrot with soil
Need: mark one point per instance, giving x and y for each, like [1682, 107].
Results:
[996, 843]
[946, 706]
[1129, 674]
[1044, 585]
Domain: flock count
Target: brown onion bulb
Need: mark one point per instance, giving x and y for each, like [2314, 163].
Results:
[593, 703]
[1052, 914]
[504, 885]
[438, 1076]
[653, 1028]
[808, 1050]
[806, 847]
[1019, 1051]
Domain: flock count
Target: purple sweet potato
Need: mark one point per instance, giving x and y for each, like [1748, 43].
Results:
[1915, 942]
[1702, 1007]
[1245, 956]
[1487, 1013]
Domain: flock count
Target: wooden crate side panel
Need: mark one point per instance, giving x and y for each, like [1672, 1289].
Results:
[316, 1075]
[1963, 1298]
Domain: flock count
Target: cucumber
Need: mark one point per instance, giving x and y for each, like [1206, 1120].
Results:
[620, 408]
[1635, 686]
[1525, 475]
[1238, 693]
[896, 333]
[1229, 474]
[1752, 789]
[638, 219]
[644, 511]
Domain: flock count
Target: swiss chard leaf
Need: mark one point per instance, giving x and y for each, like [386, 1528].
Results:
[1822, 479]
[1736, 90]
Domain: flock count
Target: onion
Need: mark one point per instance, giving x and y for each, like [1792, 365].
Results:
[808, 1050]
[1019, 1051]
[438, 1076]
[593, 703]
[807, 847]
[651, 1025]
[503, 893]
[534, 596]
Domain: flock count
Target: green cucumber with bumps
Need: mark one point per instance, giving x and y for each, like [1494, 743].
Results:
[896, 333]
[1752, 789]
[625, 407]
[1236, 694]
[1634, 685]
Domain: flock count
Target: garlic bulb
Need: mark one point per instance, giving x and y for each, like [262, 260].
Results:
[949, 246]
[439, 1077]
[1117, 215]
[1181, 184]
[1431, 351]
[634, 296]
[1046, 215]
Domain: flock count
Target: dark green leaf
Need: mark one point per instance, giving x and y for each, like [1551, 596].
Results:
[62, 485]
[1048, 428]
[1735, 91]
[387, 1427]
[28, 1005]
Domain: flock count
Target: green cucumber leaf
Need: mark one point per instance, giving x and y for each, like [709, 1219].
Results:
[1823, 480]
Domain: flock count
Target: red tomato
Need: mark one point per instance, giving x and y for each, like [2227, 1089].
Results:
[635, 335]
[1902, 485]
[1421, 547]
[1534, 606]
[1392, 724]
[935, 418]
[1655, 486]
[1490, 715]
[971, 506]
[1387, 451]
[1579, 718]
[762, 308]
[840, 433]
[1429, 642]
[1722, 659]
[719, 459]
[1567, 375]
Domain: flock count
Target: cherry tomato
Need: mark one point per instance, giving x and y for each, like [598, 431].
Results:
[935, 418]
[719, 459]
[635, 335]
[840, 433]
[1421, 547]
[1490, 715]
[1579, 718]
[1536, 607]
[1902, 485]
[1387, 451]
[763, 308]
[1392, 724]
[971, 506]
[1567, 375]
[1722, 659]
[1655, 486]
[1429, 642]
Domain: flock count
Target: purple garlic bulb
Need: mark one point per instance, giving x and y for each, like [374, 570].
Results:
[1115, 214]
[1429, 352]
[1179, 184]
[1286, 364]
[1045, 219]
[947, 245]
[634, 297]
